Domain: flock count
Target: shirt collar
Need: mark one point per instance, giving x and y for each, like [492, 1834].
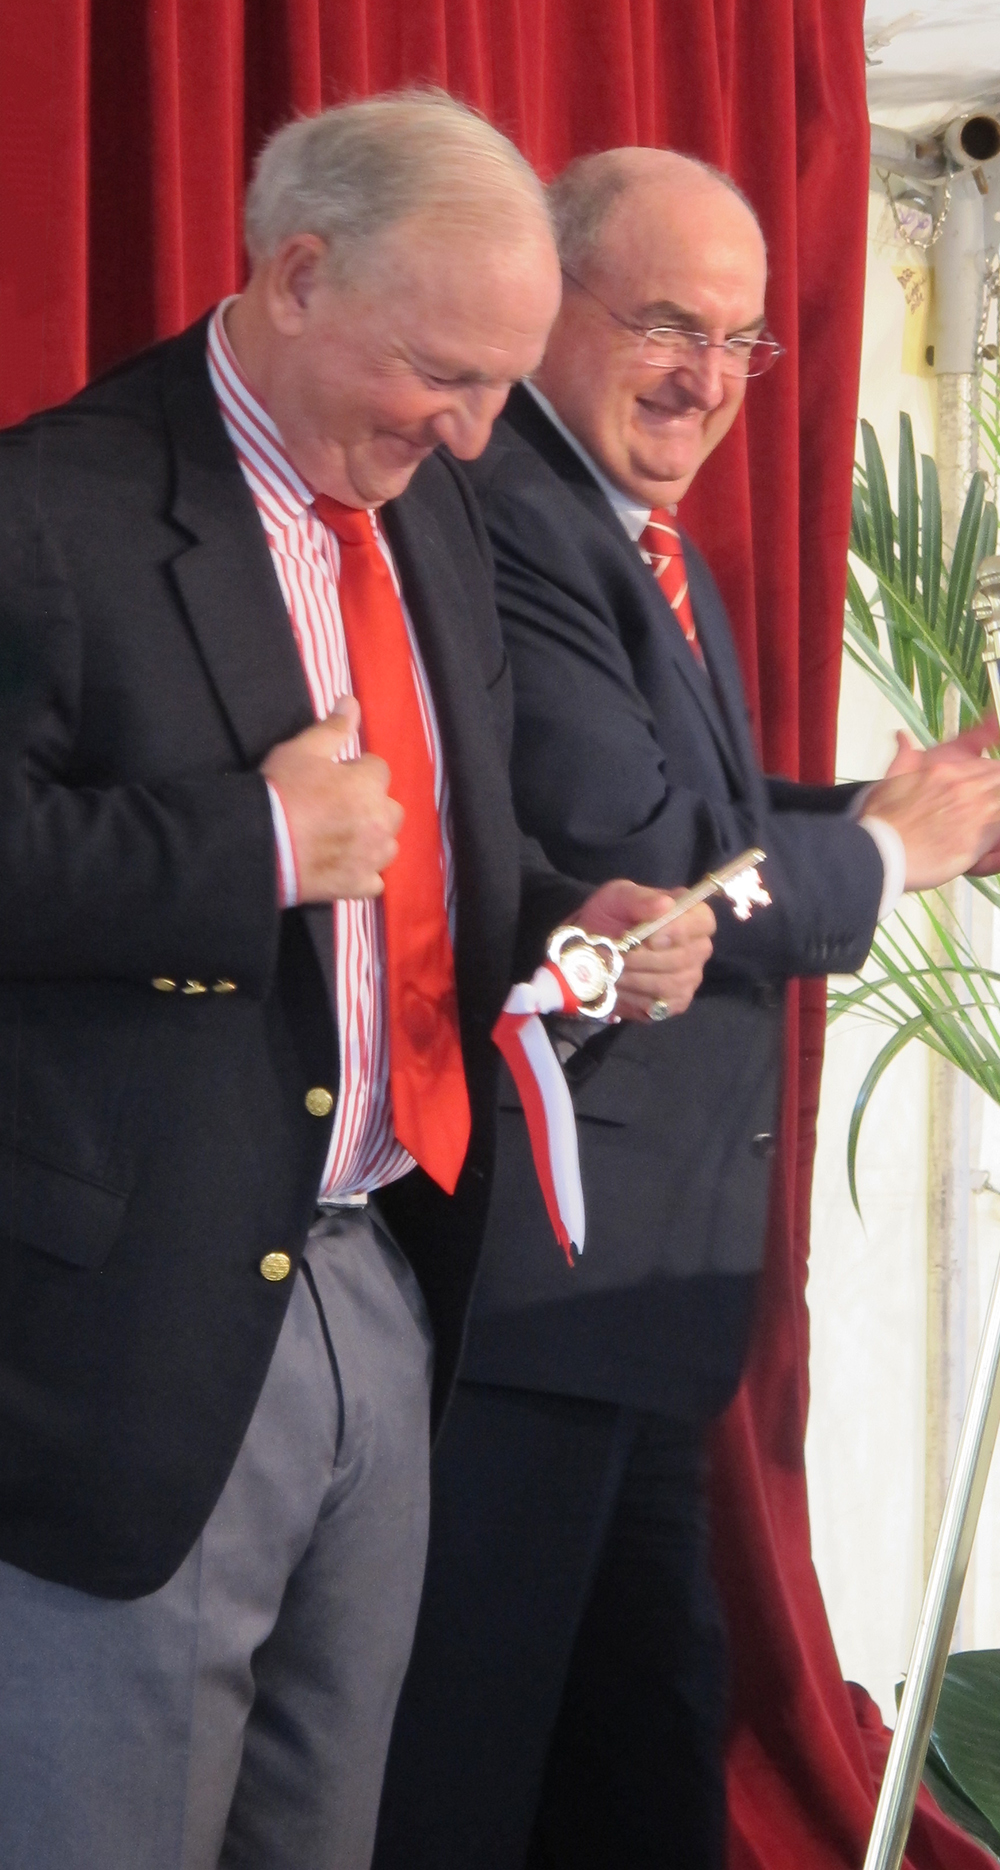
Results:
[634, 518]
[250, 427]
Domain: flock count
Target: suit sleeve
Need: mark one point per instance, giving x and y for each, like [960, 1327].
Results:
[120, 882]
[594, 783]
[547, 899]
[789, 795]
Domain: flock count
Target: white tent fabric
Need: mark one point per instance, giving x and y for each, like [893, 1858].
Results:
[930, 62]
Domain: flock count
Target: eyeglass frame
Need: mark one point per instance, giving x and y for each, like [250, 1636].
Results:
[699, 340]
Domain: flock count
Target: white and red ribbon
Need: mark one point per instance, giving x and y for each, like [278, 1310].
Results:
[544, 1094]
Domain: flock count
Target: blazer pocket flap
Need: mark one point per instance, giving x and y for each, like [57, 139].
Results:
[613, 1093]
[61, 1214]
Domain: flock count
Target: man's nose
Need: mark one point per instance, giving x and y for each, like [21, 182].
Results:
[703, 376]
[465, 427]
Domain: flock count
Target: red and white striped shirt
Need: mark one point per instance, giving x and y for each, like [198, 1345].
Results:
[364, 1152]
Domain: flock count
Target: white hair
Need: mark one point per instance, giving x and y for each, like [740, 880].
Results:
[351, 172]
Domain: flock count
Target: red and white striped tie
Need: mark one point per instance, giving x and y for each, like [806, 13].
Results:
[663, 550]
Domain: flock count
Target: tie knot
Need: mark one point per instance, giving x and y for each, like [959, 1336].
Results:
[352, 524]
[661, 537]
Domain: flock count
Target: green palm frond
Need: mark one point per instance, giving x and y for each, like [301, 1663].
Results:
[932, 638]
[951, 1004]
[913, 633]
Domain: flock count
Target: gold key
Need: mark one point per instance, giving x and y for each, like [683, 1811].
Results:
[592, 964]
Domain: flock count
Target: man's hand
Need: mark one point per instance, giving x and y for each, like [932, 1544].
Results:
[670, 965]
[341, 820]
[945, 804]
[968, 746]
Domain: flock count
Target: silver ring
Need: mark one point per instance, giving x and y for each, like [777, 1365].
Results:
[660, 1010]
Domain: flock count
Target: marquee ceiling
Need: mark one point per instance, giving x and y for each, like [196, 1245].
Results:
[931, 62]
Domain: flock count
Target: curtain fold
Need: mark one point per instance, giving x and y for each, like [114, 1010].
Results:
[127, 128]
[44, 170]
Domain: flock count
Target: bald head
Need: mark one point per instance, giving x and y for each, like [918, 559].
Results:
[581, 198]
[661, 240]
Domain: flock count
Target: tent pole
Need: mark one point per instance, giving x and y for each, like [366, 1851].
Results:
[925, 1673]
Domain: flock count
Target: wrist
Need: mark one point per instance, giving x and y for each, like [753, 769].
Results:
[892, 851]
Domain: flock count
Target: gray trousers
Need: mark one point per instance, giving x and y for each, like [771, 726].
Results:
[241, 1715]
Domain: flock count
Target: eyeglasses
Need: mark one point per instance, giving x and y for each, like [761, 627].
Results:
[672, 347]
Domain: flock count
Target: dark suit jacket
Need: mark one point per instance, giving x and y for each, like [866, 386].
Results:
[154, 1145]
[630, 761]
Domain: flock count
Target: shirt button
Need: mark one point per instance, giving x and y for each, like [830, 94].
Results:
[319, 1101]
[163, 985]
[275, 1266]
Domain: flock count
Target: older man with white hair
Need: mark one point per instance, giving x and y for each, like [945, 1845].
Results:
[263, 895]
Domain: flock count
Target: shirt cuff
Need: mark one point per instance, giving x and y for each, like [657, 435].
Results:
[284, 850]
[892, 851]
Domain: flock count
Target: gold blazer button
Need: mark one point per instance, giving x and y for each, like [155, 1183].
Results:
[194, 986]
[275, 1266]
[163, 985]
[319, 1101]
[224, 986]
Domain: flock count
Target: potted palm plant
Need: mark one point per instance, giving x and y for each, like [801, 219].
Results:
[915, 636]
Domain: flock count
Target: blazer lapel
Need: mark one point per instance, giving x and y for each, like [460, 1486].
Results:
[530, 422]
[480, 799]
[224, 575]
[720, 656]
[707, 687]
[226, 582]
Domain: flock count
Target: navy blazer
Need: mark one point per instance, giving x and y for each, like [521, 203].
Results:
[154, 1145]
[631, 760]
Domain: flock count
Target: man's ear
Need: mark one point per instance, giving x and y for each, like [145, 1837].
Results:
[295, 270]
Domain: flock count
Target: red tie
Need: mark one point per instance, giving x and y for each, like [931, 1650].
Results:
[430, 1102]
[663, 550]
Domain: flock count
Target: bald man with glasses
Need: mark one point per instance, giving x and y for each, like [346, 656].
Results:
[565, 1705]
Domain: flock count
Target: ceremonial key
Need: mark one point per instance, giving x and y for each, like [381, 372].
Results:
[591, 964]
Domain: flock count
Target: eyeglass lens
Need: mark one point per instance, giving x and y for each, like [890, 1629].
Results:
[739, 357]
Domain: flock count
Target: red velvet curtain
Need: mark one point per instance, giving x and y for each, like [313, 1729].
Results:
[126, 127]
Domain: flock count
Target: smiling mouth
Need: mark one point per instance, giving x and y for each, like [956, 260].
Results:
[661, 414]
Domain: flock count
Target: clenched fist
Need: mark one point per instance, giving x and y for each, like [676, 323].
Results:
[342, 822]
